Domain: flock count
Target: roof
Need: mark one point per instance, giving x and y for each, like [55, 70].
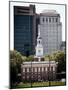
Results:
[41, 62]
[49, 13]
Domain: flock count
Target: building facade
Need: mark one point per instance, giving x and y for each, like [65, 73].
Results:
[51, 31]
[38, 71]
[25, 29]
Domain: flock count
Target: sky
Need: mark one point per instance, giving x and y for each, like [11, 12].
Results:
[41, 7]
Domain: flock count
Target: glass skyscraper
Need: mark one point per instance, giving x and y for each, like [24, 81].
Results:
[24, 29]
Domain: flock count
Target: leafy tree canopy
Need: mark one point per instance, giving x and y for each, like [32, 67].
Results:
[59, 57]
[30, 58]
[16, 57]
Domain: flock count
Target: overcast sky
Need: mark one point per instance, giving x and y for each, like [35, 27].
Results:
[41, 7]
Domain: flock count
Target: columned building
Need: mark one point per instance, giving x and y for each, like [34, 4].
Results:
[51, 31]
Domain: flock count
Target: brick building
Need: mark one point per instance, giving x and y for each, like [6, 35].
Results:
[38, 71]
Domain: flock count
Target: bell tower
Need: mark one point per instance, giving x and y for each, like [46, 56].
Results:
[39, 46]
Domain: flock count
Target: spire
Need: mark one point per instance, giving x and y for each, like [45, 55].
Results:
[39, 36]
[39, 39]
[39, 47]
[38, 30]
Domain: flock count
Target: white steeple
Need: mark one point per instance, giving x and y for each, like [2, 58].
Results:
[38, 30]
[39, 47]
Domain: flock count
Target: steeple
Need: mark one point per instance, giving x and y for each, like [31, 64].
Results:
[39, 39]
[39, 47]
[38, 30]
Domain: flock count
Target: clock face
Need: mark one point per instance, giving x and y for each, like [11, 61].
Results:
[40, 51]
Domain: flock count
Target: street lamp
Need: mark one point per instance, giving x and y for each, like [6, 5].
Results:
[31, 73]
[49, 71]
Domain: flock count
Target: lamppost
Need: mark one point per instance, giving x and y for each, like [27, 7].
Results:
[49, 71]
[31, 73]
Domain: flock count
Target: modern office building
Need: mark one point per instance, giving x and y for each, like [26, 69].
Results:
[25, 29]
[51, 31]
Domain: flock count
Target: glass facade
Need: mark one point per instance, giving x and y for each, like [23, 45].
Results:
[23, 25]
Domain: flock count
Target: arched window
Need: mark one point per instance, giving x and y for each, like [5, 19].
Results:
[52, 68]
[23, 69]
[39, 42]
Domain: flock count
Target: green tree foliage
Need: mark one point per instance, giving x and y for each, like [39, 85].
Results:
[16, 56]
[49, 57]
[16, 59]
[30, 58]
[15, 66]
[13, 73]
[59, 57]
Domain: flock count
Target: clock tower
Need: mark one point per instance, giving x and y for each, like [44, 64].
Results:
[39, 47]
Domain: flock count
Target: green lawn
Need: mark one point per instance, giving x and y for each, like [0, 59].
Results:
[39, 84]
[23, 85]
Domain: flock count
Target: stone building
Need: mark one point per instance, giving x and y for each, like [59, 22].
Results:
[51, 31]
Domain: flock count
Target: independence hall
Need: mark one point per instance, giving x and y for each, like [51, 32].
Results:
[38, 71]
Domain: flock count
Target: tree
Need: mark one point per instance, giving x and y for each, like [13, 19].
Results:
[13, 73]
[16, 56]
[61, 59]
[30, 58]
[49, 57]
[15, 66]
